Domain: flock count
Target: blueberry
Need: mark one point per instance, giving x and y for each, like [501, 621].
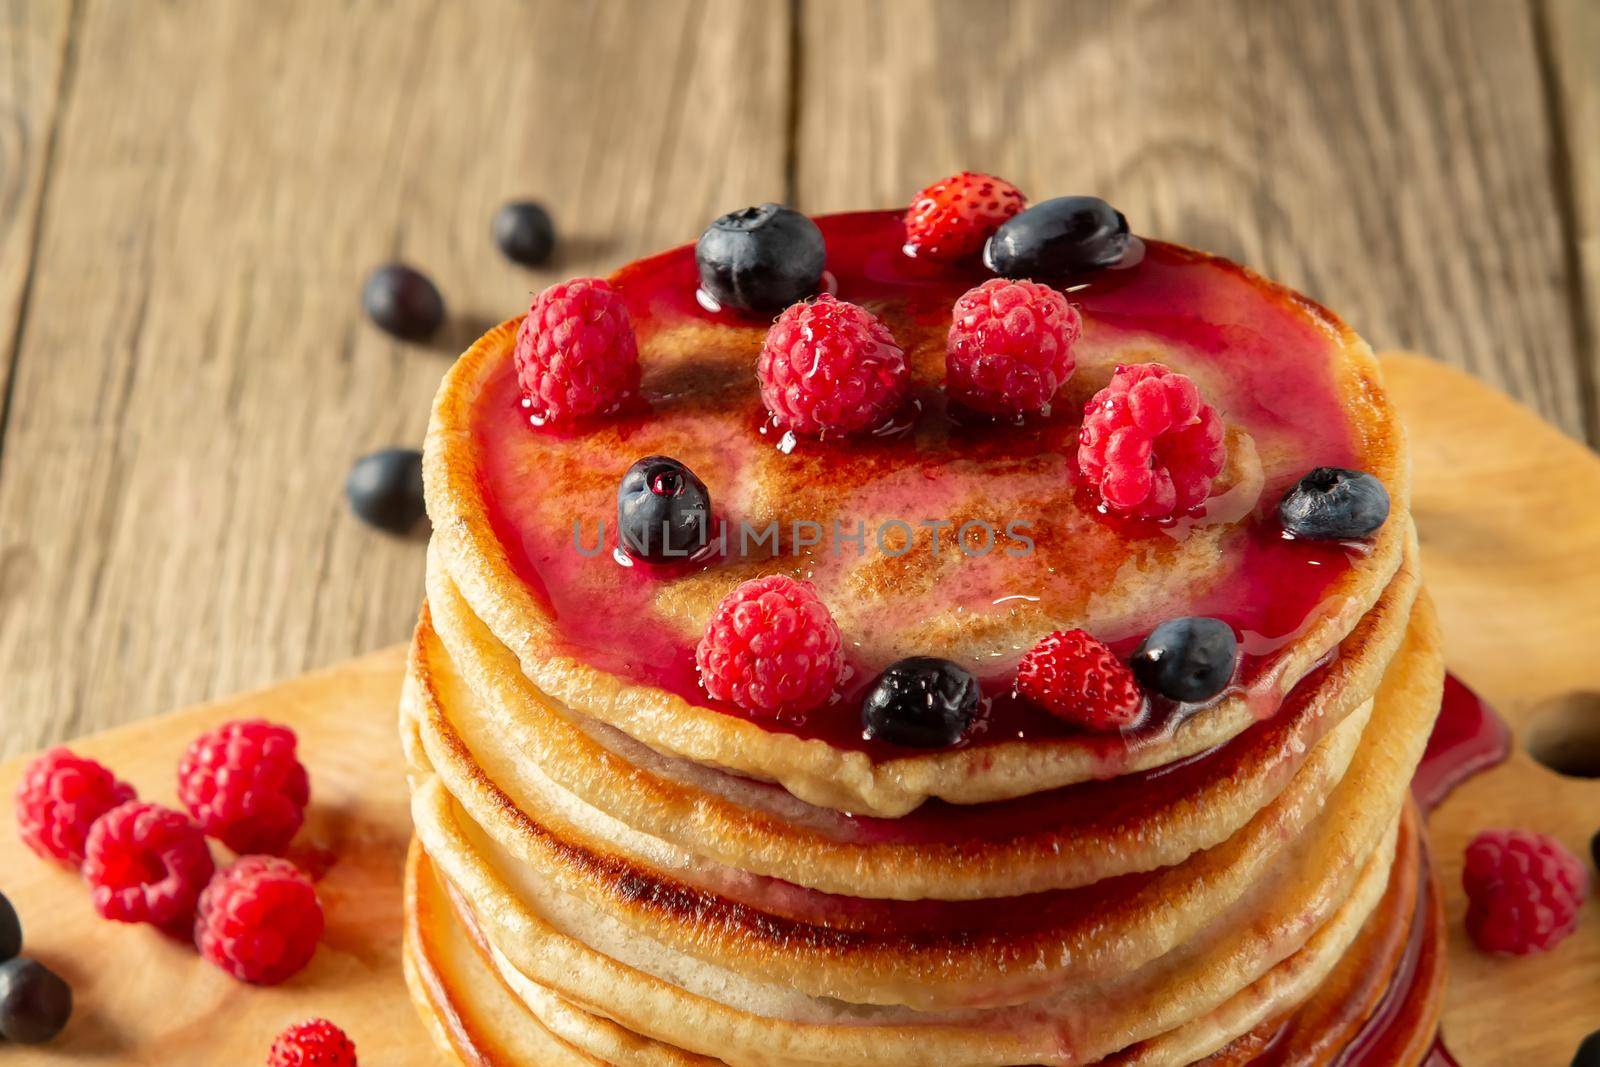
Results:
[1187, 660]
[920, 702]
[663, 510]
[1067, 235]
[34, 1002]
[1594, 849]
[523, 231]
[760, 259]
[402, 301]
[1588, 1054]
[1334, 504]
[385, 489]
[10, 930]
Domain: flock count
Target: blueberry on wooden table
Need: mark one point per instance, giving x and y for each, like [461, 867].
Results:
[403, 301]
[760, 259]
[385, 489]
[35, 1003]
[1064, 236]
[10, 930]
[1187, 660]
[921, 702]
[523, 230]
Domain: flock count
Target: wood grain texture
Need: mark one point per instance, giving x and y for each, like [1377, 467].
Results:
[195, 377]
[1392, 160]
[1515, 598]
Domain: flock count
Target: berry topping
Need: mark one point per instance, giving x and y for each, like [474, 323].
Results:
[313, 1043]
[771, 647]
[920, 702]
[385, 489]
[576, 354]
[1010, 347]
[760, 259]
[523, 231]
[10, 930]
[1078, 679]
[35, 1003]
[244, 785]
[1588, 1054]
[1149, 445]
[831, 367]
[1067, 235]
[59, 798]
[663, 510]
[259, 920]
[1187, 660]
[1523, 891]
[951, 218]
[146, 864]
[1334, 504]
[402, 301]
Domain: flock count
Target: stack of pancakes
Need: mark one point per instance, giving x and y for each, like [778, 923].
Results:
[610, 869]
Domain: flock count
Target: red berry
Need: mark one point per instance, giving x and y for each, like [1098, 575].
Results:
[259, 920]
[59, 798]
[313, 1043]
[1010, 346]
[146, 864]
[1523, 891]
[1149, 445]
[244, 786]
[831, 367]
[576, 354]
[1076, 678]
[771, 647]
[952, 218]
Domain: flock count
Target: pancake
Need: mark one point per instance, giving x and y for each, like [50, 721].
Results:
[1296, 387]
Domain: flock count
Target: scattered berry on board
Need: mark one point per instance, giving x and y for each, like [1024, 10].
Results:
[59, 797]
[1059, 238]
[1010, 347]
[403, 301]
[1078, 679]
[1150, 447]
[830, 367]
[771, 647]
[921, 702]
[259, 920]
[953, 217]
[576, 355]
[760, 259]
[35, 1003]
[245, 786]
[146, 864]
[313, 1043]
[1524, 891]
[524, 233]
[385, 489]
[663, 510]
[1188, 660]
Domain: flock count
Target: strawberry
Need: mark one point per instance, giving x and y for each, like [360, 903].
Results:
[952, 218]
[1076, 678]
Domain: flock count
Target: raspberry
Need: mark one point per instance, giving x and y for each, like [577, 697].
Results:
[951, 218]
[1076, 678]
[1523, 891]
[259, 920]
[771, 647]
[830, 366]
[1149, 445]
[146, 864]
[576, 354]
[244, 786]
[313, 1043]
[59, 798]
[1010, 346]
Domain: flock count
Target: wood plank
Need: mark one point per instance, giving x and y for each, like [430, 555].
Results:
[1392, 160]
[195, 376]
[34, 59]
[1515, 599]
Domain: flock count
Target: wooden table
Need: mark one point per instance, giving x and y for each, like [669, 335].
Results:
[191, 192]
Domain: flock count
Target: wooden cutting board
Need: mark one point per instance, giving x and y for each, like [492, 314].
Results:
[1509, 514]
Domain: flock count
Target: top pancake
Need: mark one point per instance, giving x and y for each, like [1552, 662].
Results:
[1296, 388]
